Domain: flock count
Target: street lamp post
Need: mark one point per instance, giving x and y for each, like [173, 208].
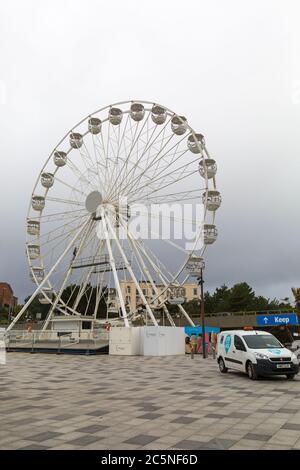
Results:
[202, 312]
[195, 267]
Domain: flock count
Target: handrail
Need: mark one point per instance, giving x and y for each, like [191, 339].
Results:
[251, 312]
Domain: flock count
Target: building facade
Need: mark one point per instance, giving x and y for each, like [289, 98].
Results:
[7, 298]
[189, 291]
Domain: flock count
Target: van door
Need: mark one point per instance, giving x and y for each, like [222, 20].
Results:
[239, 353]
[229, 351]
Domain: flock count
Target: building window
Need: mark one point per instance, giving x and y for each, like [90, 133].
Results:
[128, 290]
[195, 291]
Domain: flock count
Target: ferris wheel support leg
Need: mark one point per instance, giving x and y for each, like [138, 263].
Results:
[155, 267]
[46, 323]
[115, 274]
[138, 287]
[83, 287]
[146, 270]
[26, 305]
[186, 315]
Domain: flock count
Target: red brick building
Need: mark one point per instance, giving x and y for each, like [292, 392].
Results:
[7, 298]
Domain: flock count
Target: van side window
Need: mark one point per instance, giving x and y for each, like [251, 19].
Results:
[222, 339]
[238, 343]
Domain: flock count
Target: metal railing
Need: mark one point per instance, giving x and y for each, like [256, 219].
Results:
[55, 341]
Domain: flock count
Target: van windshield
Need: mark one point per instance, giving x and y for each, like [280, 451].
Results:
[262, 341]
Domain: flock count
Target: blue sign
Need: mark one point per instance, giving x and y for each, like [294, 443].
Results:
[196, 330]
[280, 319]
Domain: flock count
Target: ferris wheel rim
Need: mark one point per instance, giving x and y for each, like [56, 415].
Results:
[171, 113]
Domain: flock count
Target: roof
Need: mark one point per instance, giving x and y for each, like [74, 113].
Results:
[5, 284]
[247, 332]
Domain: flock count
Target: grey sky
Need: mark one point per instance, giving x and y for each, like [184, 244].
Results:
[231, 67]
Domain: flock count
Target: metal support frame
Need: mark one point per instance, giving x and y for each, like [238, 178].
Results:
[26, 305]
[46, 323]
[165, 284]
[112, 263]
[138, 287]
[146, 270]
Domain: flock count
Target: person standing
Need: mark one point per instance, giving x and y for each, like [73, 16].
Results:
[194, 344]
[213, 341]
[199, 343]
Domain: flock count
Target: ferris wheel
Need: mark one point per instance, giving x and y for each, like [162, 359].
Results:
[95, 222]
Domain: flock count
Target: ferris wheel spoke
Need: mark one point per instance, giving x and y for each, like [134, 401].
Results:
[127, 155]
[133, 178]
[167, 167]
[64, 201]
[73, 188]
[49, 216]
[76, 171]
[46, 234]
[179, 196]
[62, 239]
[148, 144]
[100, 152]
[94, 163]
[114, 179]
[135, 181]
[161, 187]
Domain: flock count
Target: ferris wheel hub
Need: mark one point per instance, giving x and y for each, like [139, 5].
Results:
[93, 201]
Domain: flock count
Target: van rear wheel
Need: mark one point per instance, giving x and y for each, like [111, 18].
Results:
[222, 366]
[252, 374]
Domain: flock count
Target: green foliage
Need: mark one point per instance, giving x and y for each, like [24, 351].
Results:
[3, 313]
[240, 297]
[87, 302]
[36, 307]
[192, 307]
[86, 305]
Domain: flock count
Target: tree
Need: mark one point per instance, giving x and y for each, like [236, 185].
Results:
[221, 298]
[87, 302]
[192, 307]
[241, 297]
[36, 307]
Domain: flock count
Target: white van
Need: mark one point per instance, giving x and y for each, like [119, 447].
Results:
[257, 353]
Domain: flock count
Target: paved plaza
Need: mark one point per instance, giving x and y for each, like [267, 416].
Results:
[110, 402]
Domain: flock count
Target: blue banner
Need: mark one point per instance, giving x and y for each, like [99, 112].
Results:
[196, 330]
[280, 319]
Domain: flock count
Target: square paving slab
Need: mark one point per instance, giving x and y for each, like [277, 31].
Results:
[110, 402]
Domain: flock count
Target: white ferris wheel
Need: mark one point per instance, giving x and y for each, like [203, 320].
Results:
[126, 155]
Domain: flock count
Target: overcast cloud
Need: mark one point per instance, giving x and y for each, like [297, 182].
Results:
[231, 67]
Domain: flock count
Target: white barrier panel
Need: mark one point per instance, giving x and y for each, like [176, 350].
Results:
[163, 341]
[125, 341]
[2, 347]
[147, 341]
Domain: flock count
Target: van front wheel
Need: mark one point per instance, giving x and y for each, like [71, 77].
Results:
[222, 366]
[252, 374]
[290, 376]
